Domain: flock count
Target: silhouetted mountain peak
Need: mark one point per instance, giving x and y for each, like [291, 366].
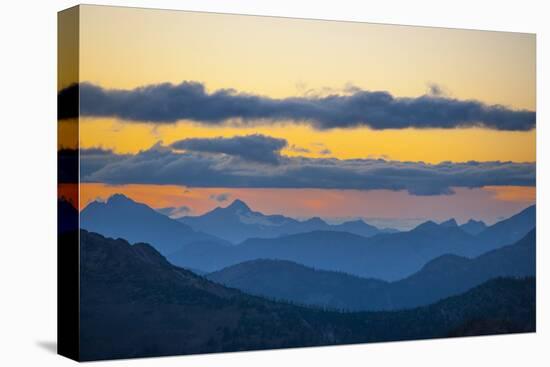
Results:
[122, 217]
[315, 220]
[238, 205]
[473, 227]
[237, 222]
[426, 226]
[119, 199]
[449, 223]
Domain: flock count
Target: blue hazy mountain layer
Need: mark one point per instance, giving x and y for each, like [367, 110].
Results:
[474, 227]
[442, 277]
[387, 257]
[122, 217]
[237, 222]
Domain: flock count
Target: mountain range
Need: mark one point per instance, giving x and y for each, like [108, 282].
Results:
[510, 229]
[134, 303]
[237, 222]
[442, 277]
[122, 217]
[385, 256]
[474, 227]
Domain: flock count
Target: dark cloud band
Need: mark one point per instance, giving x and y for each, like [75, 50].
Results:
[161, 165]
[254, 148]
[168, 103]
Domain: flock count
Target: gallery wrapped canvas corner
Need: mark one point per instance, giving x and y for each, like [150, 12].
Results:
[234, 183]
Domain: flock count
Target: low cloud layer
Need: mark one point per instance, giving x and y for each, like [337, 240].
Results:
[168, 103]
[162, 165]
[175, 212]
[93, 159]
[220, 198]
[254, 148]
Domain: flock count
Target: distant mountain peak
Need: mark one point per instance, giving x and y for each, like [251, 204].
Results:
[449, 223]
[238, 204]
[119, 198]
[474, 227]
[428, 225]
[476, 222]
[122, 217]
[315, 220]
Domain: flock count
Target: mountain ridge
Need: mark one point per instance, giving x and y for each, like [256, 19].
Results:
[123, 217]
[442, 277]
[473, 227]
[387, 257]
[237, 222]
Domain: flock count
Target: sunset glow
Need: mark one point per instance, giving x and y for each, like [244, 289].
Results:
[308, 60]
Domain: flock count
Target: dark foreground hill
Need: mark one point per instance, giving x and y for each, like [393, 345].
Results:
[136, 304]
[442, 277]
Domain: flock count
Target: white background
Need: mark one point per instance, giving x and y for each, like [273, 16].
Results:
[28, 183]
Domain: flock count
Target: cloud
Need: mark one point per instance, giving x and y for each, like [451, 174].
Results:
[378, 156]
[175, 212]
[298, 149]
[160, 165]
[436, 90]
[169, 103]
[96, 158]
[254, 148]
[220, 198]
[322, 148]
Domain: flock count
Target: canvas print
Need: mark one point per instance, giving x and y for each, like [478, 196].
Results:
[233, 183]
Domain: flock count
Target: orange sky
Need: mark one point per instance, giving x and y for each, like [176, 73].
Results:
[489, 204]
[428, 145]
[278, 57]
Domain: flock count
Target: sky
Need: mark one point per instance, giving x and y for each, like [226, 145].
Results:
[305, 118]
